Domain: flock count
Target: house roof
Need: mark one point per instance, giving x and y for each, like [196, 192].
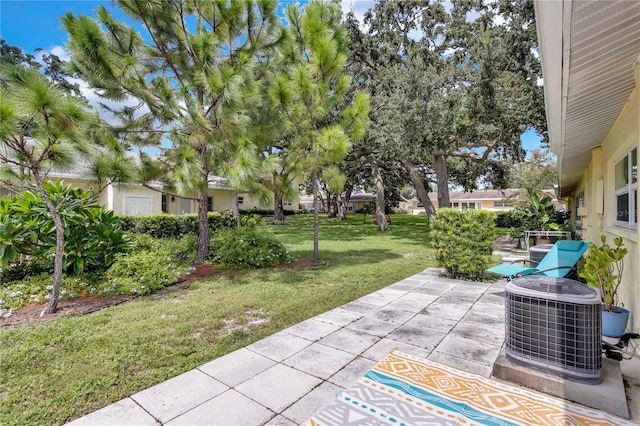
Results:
[363, 197]
[588, 50]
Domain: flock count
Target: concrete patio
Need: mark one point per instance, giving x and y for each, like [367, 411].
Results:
[284, 378]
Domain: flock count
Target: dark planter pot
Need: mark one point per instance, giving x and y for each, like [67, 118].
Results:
[614, 323]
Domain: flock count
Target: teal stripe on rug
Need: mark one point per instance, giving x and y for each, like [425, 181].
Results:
[437, 400]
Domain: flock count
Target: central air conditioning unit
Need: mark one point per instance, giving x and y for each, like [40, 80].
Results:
[555, 324]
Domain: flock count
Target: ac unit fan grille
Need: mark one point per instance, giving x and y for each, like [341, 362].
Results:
[562, 337]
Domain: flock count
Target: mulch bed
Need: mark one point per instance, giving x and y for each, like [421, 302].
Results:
[34, 314]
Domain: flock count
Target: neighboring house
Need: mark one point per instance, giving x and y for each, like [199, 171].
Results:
[591, 67]
[356, 202]
[135, 199]
[482, 199]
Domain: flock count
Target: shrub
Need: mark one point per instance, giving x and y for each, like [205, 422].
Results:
[92, 235]
[22, 270]
[398, 210]
[244, 248]
[37, 289]
[175, 226]
[463, 241]
[152, 265]
[144, 271]
[268, 212]
[510, 219]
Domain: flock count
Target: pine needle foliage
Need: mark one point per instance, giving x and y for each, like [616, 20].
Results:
[190, 78]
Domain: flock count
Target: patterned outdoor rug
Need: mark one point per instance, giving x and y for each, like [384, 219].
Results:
[406, 390]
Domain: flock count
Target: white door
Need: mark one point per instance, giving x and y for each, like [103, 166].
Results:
[137, 206]
[185, 205]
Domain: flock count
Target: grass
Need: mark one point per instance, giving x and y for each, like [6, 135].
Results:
[52, 373]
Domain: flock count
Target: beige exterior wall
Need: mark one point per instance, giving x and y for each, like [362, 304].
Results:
[598, 213]
[119, 198]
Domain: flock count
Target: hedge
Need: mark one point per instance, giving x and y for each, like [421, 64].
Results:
[175, 226]
[267, 212]
[463, 241]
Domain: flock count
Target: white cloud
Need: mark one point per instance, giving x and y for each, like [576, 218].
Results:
[358, 7]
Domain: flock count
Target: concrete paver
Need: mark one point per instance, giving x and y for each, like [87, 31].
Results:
[384, 346]
[352, 371]
[236, 367]
[339, 317]
[230, 408]
[278, 387]
[170, 399]
[311, 402]
[373, 326]
[280, 421]
[351, 341]
[417, 336]
[395, 314]
[284, 378]
[319, 360]
[312, 329]
[279, 346]
[123, 412]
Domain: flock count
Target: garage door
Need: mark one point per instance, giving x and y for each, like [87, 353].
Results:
[137, 206]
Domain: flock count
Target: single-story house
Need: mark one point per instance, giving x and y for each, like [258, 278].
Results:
[483, 199]
[590, 53]
[355, 204]
[135, 199]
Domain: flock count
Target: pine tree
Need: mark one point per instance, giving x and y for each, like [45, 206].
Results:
[313, 82]
[192, 83]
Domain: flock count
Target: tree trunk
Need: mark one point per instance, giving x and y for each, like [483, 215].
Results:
[341, 207]
[442, 179]
[343, 202]
[380, 216]
[332, 199]
[236, 208]
[59, 255]
[278, 208]
[203, 229]
[316, 224]
[418, 184]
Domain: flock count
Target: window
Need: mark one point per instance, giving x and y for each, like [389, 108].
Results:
[579, 203]
[468, 206]
[209, 204]
[626, 190]
[286, 203]
[164, 203]
[240, 200]
[503, 203]
[455, 205]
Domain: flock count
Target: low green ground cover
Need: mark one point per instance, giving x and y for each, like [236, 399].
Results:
[54, 372]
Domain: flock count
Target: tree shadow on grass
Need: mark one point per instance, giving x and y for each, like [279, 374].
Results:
[355, 228]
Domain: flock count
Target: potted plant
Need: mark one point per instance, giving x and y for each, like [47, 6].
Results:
[603, 267]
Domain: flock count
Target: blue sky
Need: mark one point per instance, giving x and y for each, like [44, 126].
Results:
[32, 24]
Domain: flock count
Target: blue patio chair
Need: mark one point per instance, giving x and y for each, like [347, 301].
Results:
[560, 260]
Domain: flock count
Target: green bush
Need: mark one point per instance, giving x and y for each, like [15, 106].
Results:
[37, 289]
[28, 267]
[92, 235]
[244, 248]
[175, 226]
[463, 241]
[268, 212]
[152, 265]
[510, 219]
[146, 271]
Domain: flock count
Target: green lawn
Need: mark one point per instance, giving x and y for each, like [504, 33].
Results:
[52, 373]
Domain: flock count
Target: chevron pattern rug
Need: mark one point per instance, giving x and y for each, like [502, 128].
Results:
[406, 390]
